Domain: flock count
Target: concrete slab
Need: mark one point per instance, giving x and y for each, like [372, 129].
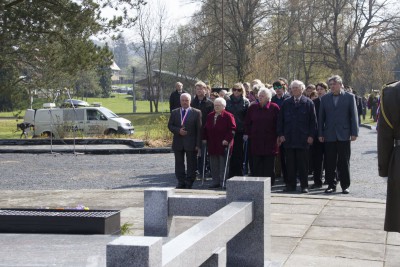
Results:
[358, 218]
[301, 219]
[296, 209]
[392, 257]
[53, 250]
[356, 204]
[349, 222]
[393, 239]
[135, 217]
[346, 234]
[294, 199]
[361, 212]
[317, 261]
[282, 247]
[288, 230]
[340, 249]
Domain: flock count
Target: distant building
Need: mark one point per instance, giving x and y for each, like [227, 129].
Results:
[115, 70]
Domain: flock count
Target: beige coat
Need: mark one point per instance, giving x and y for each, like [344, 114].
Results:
[389, 154]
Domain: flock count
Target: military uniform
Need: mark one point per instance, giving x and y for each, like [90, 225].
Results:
[389, 152]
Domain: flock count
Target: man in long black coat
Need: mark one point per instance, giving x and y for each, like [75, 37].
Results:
[296, 130]
[389, 152]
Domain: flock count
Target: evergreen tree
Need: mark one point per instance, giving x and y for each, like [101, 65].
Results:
[47, 41]
[121, 56]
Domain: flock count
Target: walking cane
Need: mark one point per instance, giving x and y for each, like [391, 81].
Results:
[204, 162]
[226, 164]
[245, 158]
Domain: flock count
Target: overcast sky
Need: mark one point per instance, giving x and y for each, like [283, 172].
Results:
[180, 10]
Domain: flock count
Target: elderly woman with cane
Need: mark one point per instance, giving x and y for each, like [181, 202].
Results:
[260, 126]
[218, 134]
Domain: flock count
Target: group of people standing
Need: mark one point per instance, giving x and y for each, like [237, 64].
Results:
[258, 129]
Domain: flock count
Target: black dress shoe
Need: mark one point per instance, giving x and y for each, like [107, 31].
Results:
[304, 190]
[330, 190]
[189, 186]
[345, 191]
[180, 186]
[215, 186]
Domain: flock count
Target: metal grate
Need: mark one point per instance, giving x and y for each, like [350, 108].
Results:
[63, 213]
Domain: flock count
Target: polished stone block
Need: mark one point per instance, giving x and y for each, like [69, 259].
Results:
[156, 211]
[194, 246]
[193, 205]
[252, 246]
[134, 251]
[218, 259]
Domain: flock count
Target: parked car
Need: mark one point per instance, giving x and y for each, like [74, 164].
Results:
[88, 120]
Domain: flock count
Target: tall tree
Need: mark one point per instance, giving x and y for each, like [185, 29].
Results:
[121, 55]
[35, 34]
[104, 70]
[349, 27]
[153, 37]
[238, 22]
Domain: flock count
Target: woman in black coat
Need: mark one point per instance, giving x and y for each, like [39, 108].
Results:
[238, 105]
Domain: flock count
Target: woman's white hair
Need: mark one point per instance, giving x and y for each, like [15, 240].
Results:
[265, 91]
[220, 100]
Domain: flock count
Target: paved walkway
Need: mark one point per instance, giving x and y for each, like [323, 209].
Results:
[306, 230]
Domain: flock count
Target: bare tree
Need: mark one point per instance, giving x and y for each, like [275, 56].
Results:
[349, 27]
[153, 37]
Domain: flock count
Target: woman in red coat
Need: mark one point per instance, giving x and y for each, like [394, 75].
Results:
[218, 134]
[260, 126]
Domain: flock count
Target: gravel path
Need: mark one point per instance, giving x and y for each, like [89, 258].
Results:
[70, 172]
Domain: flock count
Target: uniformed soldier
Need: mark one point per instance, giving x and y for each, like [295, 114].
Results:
[389, 152]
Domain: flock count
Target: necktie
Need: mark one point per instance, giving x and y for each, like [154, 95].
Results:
[183, 112]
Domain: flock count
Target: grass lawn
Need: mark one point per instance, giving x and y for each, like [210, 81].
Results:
[123, 103]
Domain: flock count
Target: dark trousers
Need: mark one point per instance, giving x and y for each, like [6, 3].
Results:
[337, 155]
[296, 163]
[264, 166]
[310, 161]
[318, 159]
[236, 164]
[185, 178]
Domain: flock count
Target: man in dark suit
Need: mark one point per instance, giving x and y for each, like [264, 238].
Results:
[174, 99]
[318, 151]
[296, 130]
[388, 152]
[337, 126]
[185, 124]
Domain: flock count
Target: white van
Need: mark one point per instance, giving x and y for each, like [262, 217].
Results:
[84, 120]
